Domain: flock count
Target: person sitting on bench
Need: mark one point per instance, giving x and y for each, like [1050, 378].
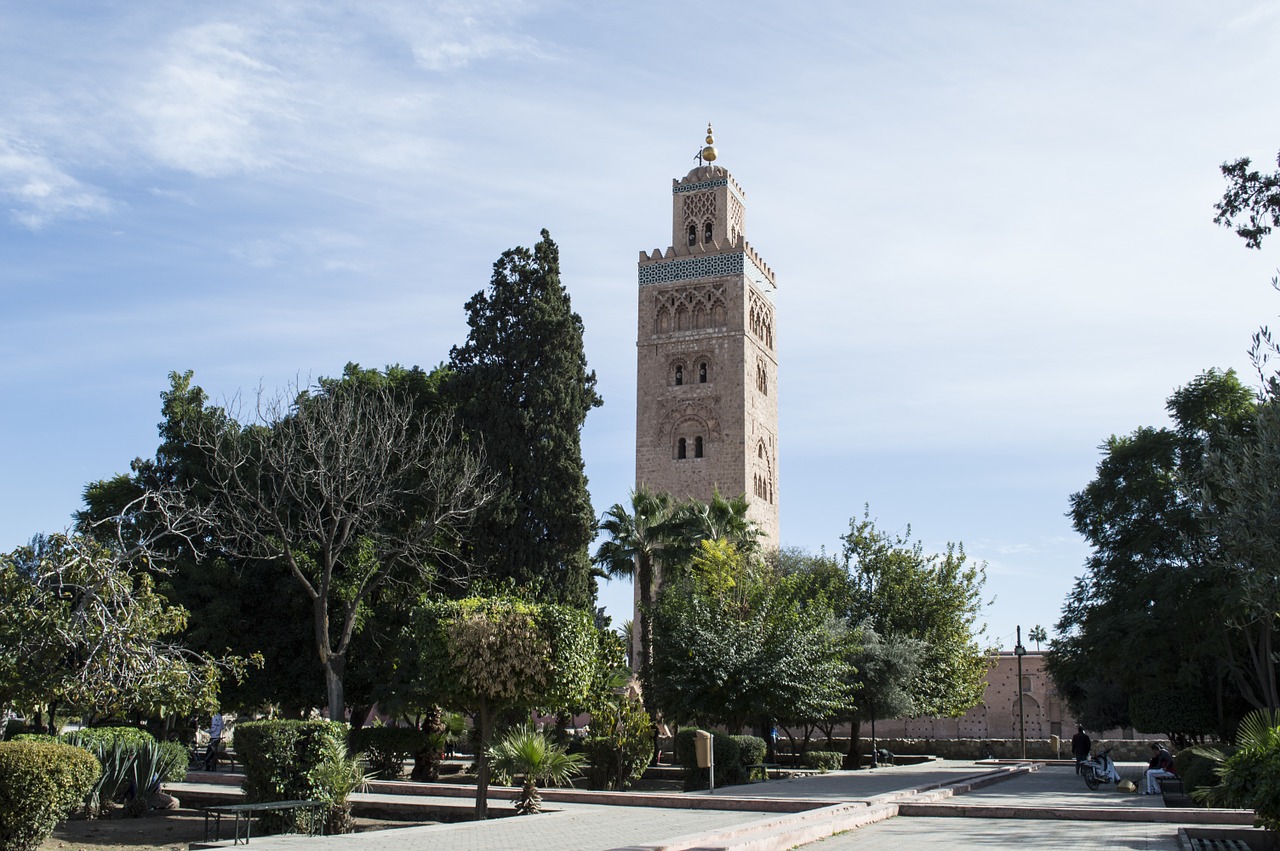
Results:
[1160, 767]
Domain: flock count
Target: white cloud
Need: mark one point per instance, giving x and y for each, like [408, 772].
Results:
[447, 36]
[210, 102]
[311, 249]
[41, 191]
[446, 54]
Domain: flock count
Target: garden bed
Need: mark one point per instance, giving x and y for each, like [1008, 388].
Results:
[163, 830]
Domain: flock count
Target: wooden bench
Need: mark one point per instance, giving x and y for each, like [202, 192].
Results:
[244, 814]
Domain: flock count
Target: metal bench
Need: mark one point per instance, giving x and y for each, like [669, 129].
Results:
[1174, 792]
[244, 814]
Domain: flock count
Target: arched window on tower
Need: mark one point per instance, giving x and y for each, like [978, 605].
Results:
[697, 447]
[681, 449]
[693, 234]
[706, 233]
[702, 373]
[679, 374]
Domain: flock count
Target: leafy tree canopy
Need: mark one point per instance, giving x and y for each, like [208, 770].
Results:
[80, 626]
[1251, 203]
[902, 592]
[1137, 619]
[734, 642]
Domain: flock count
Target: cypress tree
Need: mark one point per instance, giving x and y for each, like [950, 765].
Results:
[521, 385]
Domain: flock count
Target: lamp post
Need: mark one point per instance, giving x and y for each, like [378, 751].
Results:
[1021, 651]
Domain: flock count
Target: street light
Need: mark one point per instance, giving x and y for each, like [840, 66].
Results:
[1021, 651]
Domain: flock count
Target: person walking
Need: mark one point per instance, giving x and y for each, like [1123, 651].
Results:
[1080, 745]
[215, 742]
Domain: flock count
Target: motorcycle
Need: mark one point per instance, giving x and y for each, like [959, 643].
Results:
[1099, 769]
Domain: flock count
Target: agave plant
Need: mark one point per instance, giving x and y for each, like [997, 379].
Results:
[527, 753]
[151, 764]
[117, 758]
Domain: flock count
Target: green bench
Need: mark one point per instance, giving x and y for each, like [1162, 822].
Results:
[764, 770]
[244, 814]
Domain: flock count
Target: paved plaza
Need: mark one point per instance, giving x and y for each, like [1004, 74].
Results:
[1046, 808]
[974, 834]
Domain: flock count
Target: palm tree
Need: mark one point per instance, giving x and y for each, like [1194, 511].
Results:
[1037, 634]
[720, 520]
[526, 753]
[636, 540]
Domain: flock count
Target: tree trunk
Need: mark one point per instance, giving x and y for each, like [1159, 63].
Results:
[853, 759]
[333, 668]
[644, 571]
[875, 757]
[485, 717]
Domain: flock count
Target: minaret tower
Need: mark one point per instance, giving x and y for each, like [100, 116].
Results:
[707, 391]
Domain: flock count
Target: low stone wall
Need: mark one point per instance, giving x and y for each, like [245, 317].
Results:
[1123, 750]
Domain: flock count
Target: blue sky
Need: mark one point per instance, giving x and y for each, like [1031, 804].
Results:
[990, 221]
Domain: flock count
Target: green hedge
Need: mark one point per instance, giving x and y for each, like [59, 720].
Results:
[386, 749]
[824, 760]
[296, 760]
[108, 736]
[40, 783]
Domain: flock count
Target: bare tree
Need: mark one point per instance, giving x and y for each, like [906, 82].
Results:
[348, 488]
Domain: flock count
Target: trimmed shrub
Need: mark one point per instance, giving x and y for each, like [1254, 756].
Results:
[107, 736]
[619, 757]
[727, 758]
[40, 783]
[297, 760]
[386, 749]
[751, 751]
[37, 737]
[824, 760]
[178, 760]
[615, 765]
[1198, 769]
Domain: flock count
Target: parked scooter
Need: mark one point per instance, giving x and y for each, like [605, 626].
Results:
[1099, 769]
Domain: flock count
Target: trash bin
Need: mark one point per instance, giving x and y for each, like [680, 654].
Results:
[702, 748]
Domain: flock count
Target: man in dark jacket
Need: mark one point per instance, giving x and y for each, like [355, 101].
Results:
[1161, 766]
[1080, 746]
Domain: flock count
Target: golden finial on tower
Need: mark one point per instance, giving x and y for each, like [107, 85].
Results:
[709, 152]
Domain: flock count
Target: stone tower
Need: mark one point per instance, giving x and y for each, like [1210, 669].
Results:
[706, 390]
